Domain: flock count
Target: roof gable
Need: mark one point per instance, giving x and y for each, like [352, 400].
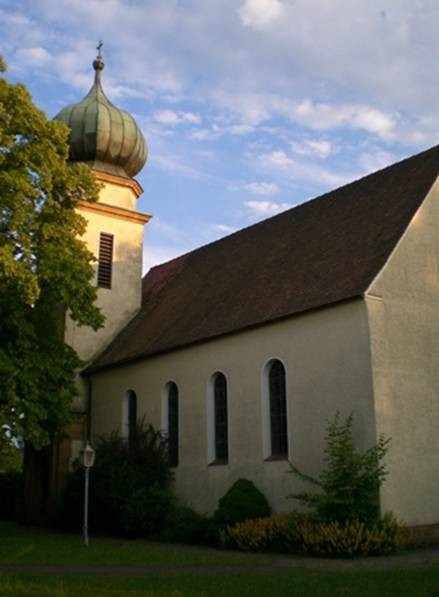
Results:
[320, 252]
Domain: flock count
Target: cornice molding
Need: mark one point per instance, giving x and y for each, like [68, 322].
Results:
[114, 212]
[131, 183]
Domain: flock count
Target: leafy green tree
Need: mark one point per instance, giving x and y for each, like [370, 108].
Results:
[350, 482]
[45, 268]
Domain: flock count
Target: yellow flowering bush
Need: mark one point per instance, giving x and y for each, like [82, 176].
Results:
[295, 533]
[277, 532]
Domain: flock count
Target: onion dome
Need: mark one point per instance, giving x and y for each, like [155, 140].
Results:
[102, 135]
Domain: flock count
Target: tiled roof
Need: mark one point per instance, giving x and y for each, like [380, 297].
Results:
[320, 252]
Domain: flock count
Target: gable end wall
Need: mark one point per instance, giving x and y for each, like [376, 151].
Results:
[403, 309]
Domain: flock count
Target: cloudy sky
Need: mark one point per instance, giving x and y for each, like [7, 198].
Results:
[248, 106]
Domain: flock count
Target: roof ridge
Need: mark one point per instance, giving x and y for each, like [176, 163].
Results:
[318, 253]
[306, 203]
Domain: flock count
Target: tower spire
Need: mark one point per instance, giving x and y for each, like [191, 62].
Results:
[98, 62]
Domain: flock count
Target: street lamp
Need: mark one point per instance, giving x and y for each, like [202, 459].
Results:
[88, 459]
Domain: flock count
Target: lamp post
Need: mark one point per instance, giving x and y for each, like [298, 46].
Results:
[88, 456]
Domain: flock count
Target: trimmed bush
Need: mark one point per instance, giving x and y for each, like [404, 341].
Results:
[242, 501]
[184, 525]
[296, 533]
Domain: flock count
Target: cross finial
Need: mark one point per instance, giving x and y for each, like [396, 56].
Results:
[99, 47]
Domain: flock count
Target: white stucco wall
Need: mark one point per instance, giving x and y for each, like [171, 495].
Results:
[326, 354]
[403, 306]
[120, 302]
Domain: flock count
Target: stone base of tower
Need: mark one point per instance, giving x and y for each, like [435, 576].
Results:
[44, 473]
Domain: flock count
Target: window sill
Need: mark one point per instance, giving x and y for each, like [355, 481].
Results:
[218, 463]
[277, 458]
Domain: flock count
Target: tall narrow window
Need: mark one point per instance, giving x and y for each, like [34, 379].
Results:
[129, 416]
[172, 424]
[105, 260]
[278, 410]
[220, 408]
[132, 416]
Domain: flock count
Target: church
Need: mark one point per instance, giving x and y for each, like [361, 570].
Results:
[243, 349]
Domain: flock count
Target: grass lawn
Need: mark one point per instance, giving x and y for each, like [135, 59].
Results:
[19, 545]
[34, 546]
[415, 583]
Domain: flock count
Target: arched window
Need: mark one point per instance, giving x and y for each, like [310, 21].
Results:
[278, 410]
[172, 424]
[274, 411]
[217, 427]
[129, 416]
[170, 420]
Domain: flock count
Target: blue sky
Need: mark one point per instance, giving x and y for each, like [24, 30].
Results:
[248, 106]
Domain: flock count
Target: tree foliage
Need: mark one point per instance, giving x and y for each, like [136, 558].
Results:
[350, 482]
[45, 268]
[125, 481]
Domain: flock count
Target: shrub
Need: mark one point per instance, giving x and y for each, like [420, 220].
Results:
[296, 533]
[183, 525]
[351, 480]
[352, 538]
[120, 471]
[276, 532]
[145, 511]
[242, 501]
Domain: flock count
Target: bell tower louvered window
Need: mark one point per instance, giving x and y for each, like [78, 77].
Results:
[105, 261]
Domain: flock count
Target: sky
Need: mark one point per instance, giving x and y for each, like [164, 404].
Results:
[249, 107]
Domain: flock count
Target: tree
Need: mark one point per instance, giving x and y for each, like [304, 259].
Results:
[45, 268]
[350, 483]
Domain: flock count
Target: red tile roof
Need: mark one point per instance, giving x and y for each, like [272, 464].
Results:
[320, 252]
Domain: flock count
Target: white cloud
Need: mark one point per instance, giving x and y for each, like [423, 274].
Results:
[36, 56]
[215, 231]
[265, 208]
[324, 116]
[217, 131]
[202, 135]
[258, 14]
[305, 171]
[171, 117]
[262, 188]
[376, 159]
[319, 148]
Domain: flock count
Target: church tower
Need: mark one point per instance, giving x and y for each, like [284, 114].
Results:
[110, 142]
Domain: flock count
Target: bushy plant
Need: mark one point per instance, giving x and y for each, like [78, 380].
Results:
[352, 537]
[276, 533]
[184, 525]
[349, 484]
[120, 471]
[242, 501]
[296, 533]
[145, 511]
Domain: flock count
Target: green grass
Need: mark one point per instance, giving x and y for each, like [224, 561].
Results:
[30, 546]
[415, 583]
[205, 576]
